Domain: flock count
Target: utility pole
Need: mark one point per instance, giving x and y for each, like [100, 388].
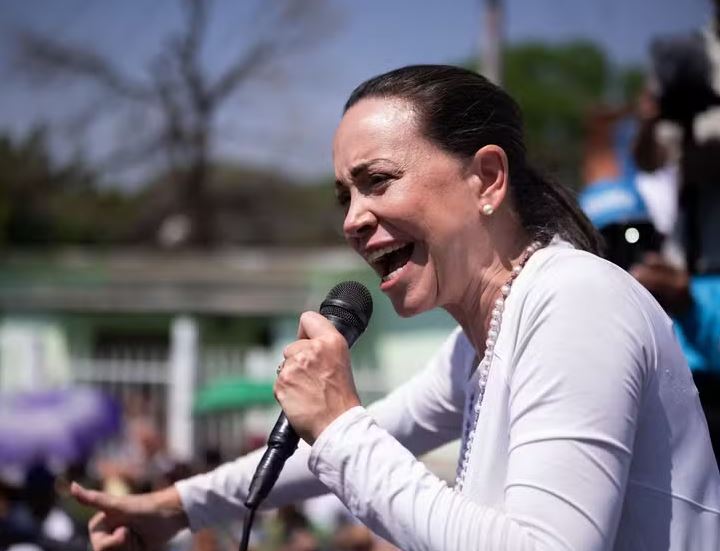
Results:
[492, 41]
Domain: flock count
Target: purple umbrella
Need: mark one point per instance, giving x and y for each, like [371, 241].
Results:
[56, 425]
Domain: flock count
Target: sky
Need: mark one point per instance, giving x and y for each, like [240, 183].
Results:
[287, 121]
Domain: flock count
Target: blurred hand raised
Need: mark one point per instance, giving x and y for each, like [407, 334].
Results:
[132, 523]
[669, 285]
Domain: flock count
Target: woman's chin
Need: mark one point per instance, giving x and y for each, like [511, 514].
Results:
[407, 306]
[409, 291]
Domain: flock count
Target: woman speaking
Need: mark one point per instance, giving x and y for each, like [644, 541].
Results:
[581, 427]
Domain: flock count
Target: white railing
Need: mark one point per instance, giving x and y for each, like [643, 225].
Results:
[143, 374]
[132, 373]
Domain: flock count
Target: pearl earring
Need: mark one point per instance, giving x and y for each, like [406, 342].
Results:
[488, 209]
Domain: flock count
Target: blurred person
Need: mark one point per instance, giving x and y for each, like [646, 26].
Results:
[383, 545]
[675, 128]
[31, 519]
[140, 459]
[610, 196]
[212, 458]
[80, 514]
[694, 304]
[692, 300]
[635, 209]
[679, 142]
[580, 423]
[353, 537]
[41, 500]
[286, 529]
[657, 176]
[617, 202]
[632, 242]
[356, 537]
[15, 524]
[682, 122]
[301, 539]
[326, 513]
[291, 518]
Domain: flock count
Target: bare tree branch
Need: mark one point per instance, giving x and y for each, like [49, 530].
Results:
[179, 91]
[79, 122]
[176, 130]
[288, 26]
[127, 157]
[47, 57]
[240, 71]
[188, 48]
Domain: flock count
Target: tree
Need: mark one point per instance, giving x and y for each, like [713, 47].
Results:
[178, 97]
[43, 204]
[557, 85]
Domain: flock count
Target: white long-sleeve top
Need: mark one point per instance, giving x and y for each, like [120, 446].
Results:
[590, 435]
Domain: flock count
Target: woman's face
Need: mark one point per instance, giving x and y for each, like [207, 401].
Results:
[411, 208]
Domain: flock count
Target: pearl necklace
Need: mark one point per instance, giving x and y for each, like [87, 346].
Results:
[486, 362]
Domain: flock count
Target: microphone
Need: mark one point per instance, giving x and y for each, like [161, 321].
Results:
[348, 306]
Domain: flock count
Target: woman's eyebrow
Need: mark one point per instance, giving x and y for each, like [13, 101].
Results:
[364, 165]
[354, 173]
[360, 168]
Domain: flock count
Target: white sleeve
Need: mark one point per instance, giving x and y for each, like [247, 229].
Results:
[575, 392]
[422, 414]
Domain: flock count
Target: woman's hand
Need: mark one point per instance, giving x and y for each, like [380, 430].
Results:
[139, 522]
[315, 384]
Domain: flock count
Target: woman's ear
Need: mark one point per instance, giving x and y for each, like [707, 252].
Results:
[491, 175]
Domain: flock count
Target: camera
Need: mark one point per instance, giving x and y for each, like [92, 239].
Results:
[627, 243]
[619, 213]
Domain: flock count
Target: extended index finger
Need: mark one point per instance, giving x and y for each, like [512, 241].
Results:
[92, 498]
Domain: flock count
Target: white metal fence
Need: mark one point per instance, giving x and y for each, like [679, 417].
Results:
[145, 373]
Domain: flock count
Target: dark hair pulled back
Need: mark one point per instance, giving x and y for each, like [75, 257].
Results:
[461, 111]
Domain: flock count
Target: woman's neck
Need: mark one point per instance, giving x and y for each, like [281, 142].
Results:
[474, 310]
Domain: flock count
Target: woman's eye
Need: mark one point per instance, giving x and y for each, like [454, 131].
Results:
[376, 179]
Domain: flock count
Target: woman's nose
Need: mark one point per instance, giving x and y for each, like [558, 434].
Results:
[359, 220]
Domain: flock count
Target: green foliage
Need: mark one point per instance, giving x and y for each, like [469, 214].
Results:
[631, 81]
[257, 206]
[556, 85]
[251, 206]
[42, 204]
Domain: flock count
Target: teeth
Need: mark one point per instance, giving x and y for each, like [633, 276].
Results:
[392, 274]
[379, 253]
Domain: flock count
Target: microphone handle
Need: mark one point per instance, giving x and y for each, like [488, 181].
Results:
[282, 443]
[283, 439]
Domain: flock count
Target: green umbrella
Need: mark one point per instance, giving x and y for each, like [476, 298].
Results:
[233, 393]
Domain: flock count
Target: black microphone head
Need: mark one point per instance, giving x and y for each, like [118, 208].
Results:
[351, 302]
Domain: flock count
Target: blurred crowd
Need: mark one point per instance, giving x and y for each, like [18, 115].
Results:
[651, 176]
[37, 512]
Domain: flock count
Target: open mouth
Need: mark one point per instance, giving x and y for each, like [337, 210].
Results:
[388, 261]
